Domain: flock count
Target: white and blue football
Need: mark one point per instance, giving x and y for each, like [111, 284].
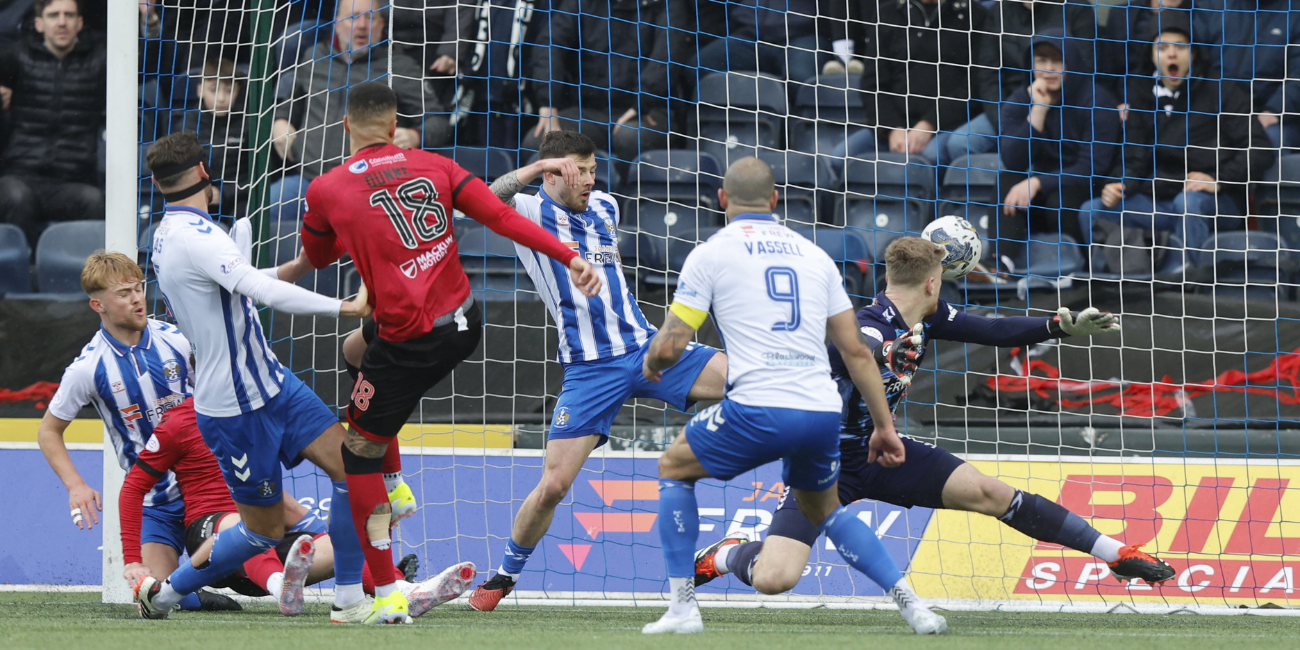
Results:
[960, 242]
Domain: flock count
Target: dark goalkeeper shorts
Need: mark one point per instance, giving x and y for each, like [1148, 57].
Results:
[395, 376]
[205, 527]
[918, 481]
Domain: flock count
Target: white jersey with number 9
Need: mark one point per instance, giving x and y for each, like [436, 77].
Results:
[770, 291]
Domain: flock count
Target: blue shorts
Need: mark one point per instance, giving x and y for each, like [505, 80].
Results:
[251, 446]
[594, 391]
[164, 524]
[918, 481]
[730, 438]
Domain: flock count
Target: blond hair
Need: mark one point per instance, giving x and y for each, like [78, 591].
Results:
[104, 269]
[910, 260]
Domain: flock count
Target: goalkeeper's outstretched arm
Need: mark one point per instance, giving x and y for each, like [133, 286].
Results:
[1023, 330]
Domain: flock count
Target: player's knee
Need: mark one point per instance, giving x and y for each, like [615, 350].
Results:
[993, 496]
[773, 580]
[552, 490]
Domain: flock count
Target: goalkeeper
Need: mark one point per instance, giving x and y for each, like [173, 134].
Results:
[900, 321]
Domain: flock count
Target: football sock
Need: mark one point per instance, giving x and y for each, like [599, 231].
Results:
[382, 591]
[721, 558]
[391, 481]
[366, 493]
[348, 558]
[683, 596]
[515, 558]
[860, 547]
[679, 528]
[262, 566]
[392, 466]
[233, 547]
[168, 597]
[191, 603]
[1049, 522]
[1106, 548]
[742, 561]
[273, 584]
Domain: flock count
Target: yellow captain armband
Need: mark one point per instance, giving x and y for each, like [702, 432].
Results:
[689, 315]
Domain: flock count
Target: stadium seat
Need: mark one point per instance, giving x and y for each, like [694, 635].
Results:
[668, 218]
[15, 260]
[970, 191]
[885, 198]
[802, 179]
[1279, 194]
[676, 250]
[491, 262]
[827, 111]
[849, 250]
[487, 164]
[740, 113]
[60, 255]
[1247, 264]
[681, 175]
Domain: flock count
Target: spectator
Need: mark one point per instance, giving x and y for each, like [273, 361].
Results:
[779, 37]
[926, 76]
[1250, 40]
[604, 69]
[1058, 133]
[308, 129]
[505, 37]
[440, 35]
[1190, 147]
[1129, 32]
[220, 125]
[52, 87]
[1015, 22]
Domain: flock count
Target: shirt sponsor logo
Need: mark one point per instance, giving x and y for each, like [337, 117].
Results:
[359, 167]
[605, 254]
[409, 269]
[131, 414]
[426, 260]
[230, 266]
[388, 160]
[871, 332]
[952, 313]
[789, 358]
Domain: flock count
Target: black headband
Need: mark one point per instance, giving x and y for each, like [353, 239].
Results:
[167, 171]
[186, 193]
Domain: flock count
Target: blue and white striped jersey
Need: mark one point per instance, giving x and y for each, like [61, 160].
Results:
[198, 266]
[131, 387]
[608, 325]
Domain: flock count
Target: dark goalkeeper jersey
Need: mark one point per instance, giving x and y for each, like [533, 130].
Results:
[880, 322]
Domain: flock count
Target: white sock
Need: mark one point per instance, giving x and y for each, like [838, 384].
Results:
[348, 595]
[514, 577]
[1106, 549]
[720, 558]
[167, 597]
[382, 591]
[391, 481]
[275, 584]
[405, 587]
[683, 596]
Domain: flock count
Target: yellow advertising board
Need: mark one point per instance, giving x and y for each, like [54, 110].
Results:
[1230, 529]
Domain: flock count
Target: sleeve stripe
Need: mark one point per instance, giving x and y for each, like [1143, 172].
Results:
[139, 462]
[689, 315]
[456, 192]
[318, 233]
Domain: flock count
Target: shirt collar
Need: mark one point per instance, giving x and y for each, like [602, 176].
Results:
[890, 310]
[757, 216]
[122, 349]
[186, 208]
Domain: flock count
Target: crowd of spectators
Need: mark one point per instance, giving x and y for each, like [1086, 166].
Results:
[1155, 116]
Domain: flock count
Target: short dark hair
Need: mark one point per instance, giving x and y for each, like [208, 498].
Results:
[173, 149]
[371, 101]
[222, 70]
[42, 5]
[558, 144]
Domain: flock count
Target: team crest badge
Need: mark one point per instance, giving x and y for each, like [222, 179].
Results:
[266, 488]
[172, 370]
[609, 225]
[561, 417]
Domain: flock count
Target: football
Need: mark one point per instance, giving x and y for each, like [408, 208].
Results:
[959, 240]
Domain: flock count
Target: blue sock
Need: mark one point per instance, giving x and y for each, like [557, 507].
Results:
[190, 603]
[232, 548]
[858, 545]
[679, 526]
[348, 558]
[1050, 522]
[516, 557]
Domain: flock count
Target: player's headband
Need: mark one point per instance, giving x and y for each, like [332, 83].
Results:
[178, 168]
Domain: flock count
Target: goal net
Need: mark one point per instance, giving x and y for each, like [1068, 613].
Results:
[1178, 433]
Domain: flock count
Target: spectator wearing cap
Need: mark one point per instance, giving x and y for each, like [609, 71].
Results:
[52, 86]
[1190, 149]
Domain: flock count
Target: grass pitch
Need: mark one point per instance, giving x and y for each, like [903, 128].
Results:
[62, 621]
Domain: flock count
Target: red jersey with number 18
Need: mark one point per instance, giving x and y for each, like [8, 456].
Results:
[391, 210]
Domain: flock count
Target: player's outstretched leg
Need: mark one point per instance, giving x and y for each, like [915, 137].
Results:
[296, 566]
[444, 587]
[968, 489]
[679, 528]
[564, 458]
[712, 561]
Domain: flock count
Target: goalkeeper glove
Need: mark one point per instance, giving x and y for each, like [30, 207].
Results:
[1084, 323]
[900, 356]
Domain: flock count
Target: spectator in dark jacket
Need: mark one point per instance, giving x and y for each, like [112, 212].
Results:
[1257, 43]
[221, 128]
[1129, 32]
[1058, 134]
[779, 37]
[604, 68]
[1190, 148]
[925, 54]
[53, 90]
[1014, 23]
[439, 35]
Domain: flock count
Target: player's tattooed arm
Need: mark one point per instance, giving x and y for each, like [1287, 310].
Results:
[667, 347]
[507, 187]
[514, 182]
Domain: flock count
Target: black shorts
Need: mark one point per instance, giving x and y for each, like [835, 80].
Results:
[918, 481]
[203, 528]
[395, 376]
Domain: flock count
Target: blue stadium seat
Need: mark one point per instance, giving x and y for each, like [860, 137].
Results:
[803, 180]
[1248, 264]
[491, 262]
[886, 198]
[668, 219]
[826, 112]
[15, 260]
[677, 248]
[740, 113]
[60, 255]
[970, 191]
[680, 175]
[487, 164]
[850, 251]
